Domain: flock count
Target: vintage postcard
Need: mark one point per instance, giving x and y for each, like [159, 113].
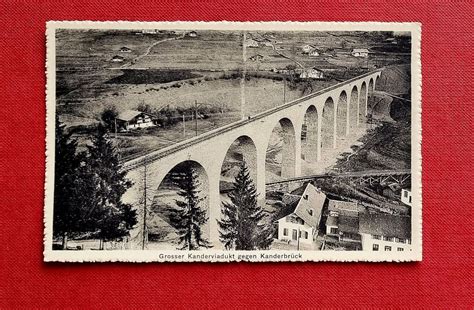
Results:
[233, 141]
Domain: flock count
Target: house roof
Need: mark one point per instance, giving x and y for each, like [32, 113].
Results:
[117, 57]
[345, 207]
[125, 48]
[385, 225]
[312, 199]
[348, 224]
[360, 50]
[128, 115]
[331, 221]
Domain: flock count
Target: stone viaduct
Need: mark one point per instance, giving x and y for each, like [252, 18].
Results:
[324, 115]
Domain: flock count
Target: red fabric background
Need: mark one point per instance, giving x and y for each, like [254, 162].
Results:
[443, 279]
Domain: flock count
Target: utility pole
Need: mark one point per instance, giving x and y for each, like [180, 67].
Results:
[144, 232]
[298, 238]
[242, 80]
[196, 117]
[184, 126]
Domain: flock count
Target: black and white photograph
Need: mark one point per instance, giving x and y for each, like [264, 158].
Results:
[223, 141]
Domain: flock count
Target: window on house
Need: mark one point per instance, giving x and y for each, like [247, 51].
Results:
[400, 240]
[400, 249]
[285, 231]
[333, 230]
[409, 241]
[405, 193]
[295, 234]
[387, 238]
[310, 212]
[375, 247]
[376, 237]
[306, 235]
[409, 199]
[388, 248]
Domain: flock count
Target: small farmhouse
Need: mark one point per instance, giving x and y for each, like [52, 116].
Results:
[307, 48]
[312, 73]
[117, 58]
[257, 57]
[131, 119]
[301, 222]
[251, 43]
[343, 220]
[360, 52]
[313, 53]
[125, 49]
[385, 232]
[192, 34]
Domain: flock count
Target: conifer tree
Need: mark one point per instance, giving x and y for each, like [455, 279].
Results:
[106, 184]
[243, 226]
[67, 211]
[189, 218]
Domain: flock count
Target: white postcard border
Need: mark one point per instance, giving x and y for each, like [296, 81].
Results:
[222, 255]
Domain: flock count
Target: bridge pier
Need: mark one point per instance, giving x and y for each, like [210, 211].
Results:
[215, 204]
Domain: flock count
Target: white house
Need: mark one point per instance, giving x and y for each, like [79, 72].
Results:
[314, 53]
[360, 52]
[117, 58]
[385, 232]
[307, 48]
[406, 197]
[312, 73]
[302, 221]
[192, 34]
[131, 119]
[251, 43]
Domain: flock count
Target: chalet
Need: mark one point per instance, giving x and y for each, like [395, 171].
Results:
[257, 57]
[301, 221]
[360, 52]
[385, 232]
[313, 53]
[192, 34]
[131, 119]
[125, 49]
[117, 58]
[149, 31]
[251, 43]
[312, 73]
[267, 44]
[307, 48]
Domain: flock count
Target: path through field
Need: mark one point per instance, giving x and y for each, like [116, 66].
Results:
[148, 50]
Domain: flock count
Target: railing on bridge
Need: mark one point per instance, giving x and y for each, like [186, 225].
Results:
[370, 177]
[154, 155]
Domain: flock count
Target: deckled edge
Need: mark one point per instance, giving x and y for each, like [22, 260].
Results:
[146, 256]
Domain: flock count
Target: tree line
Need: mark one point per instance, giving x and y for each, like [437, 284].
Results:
[89, 186]
[88, 189]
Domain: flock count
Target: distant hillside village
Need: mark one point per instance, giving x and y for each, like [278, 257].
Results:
[313, 221]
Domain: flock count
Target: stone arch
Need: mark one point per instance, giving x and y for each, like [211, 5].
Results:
[328, 128]
[354, 108]
[281, 149]
[342, 110]
[310, 135]
[164, 201]
[242, 149]
[363, 103]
